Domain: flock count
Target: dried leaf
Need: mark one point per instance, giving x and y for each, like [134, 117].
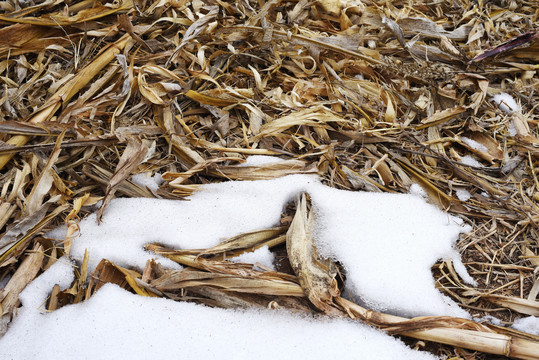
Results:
[244, 241]
[427, 28]
[523, 306]
[180, 279]
[517, 41]
[26, 227]
[441, 116]
[66, 92]
[26, 272]
[317, 277]
[44, 182]
[195, 29]
[132, 156]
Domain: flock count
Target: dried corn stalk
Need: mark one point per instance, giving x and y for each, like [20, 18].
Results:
[451, 331]
[175, 280]
[317, 277]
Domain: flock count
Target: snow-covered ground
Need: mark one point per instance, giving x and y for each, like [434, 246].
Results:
[386, 244]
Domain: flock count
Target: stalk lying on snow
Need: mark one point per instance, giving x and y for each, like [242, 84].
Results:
[318, 280]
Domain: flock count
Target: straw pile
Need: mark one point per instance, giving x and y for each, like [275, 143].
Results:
[371, 95]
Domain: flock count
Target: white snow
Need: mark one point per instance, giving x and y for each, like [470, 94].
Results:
[463, 195]
[506, 103]
[262, 256]
[216, 212]
[261, 160]
[364, 231]
[468, 160]
[115, 324]
[417, 190]
[386, 243]
[146, 180]
[35, 294]
[474, 144]
[463, 273]
[528, 325]
[488, 318]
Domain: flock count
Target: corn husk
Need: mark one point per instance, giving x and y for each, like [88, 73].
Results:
[316, 276]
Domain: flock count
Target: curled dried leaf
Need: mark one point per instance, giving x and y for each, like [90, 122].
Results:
[317, 277]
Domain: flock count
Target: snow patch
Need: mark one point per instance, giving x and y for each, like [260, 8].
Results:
[366, 231]
[506, 103]
[35, 294]
[147, 180]
[489, 318]
[258, 160]
[417, 190]
[528, 325]
[468, 160]
[363, 231]
[262, 256]
[116, 324]
[474, 144]
[463, 195]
